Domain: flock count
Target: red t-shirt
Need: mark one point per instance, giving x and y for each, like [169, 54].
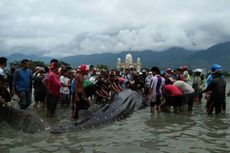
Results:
[182, 78]
[172, 90]
[53, 83]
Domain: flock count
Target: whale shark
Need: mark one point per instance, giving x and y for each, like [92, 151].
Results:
[120, 107]
[22, 120]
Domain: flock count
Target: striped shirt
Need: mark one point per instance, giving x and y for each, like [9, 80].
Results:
[157, 83]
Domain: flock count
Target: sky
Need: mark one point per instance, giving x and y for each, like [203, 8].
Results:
[61, 28]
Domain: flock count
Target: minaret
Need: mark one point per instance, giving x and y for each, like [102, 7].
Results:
[138, 64]
[129, 59]
[118, 63]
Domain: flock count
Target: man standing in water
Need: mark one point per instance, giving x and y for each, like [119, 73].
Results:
[217, 96]
[23, 84]
[3, 62]
[156, 85]
[79, 99]
[52, 85]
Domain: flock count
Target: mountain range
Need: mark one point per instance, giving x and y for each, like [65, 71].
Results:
[173, 57]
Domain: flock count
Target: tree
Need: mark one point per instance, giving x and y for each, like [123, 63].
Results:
[102, 66]
[33, 64]
[64, 63]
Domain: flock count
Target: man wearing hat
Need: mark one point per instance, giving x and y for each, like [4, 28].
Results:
[217, 97]
[52, 85]
[79, 97]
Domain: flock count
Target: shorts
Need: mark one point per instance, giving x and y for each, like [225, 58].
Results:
[51, 103]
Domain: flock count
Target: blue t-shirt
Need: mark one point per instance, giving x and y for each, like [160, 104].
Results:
[72, 88]
[23, 79]
[210, 78]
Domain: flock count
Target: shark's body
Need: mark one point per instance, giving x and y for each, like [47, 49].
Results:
[21, 120]
[119, 108]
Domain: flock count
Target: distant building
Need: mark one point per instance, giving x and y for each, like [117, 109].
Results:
[128, 64]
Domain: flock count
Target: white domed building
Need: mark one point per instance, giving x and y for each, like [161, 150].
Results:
[128, 64]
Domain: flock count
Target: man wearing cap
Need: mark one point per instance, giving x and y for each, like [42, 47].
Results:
[79, 98]
[52, 85]
[217, 97]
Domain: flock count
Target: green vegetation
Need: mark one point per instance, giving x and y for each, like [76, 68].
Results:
[33, 64]
[102, 66]
[226, 74]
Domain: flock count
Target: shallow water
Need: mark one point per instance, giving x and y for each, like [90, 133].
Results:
[141, 132]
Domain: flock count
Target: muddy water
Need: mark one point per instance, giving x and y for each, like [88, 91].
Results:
[141, 132]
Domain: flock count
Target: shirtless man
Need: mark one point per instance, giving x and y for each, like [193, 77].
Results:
[79, 100]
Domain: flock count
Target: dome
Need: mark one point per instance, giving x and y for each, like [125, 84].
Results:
[128, 59]
[118, 60]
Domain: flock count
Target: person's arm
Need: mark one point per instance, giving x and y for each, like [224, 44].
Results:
[83, 92]
[1, 100]
[76, 98]
[68, 83]
[62, 81]
[150, 91]
[15, 79]
[209, 87]
[98, 93]
[3, 103]
[35, 74]
[202, 84]
[164, 93]
[31, 80]
[228, 94]
[45, 84]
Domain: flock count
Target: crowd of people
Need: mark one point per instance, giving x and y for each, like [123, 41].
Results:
[77, 88]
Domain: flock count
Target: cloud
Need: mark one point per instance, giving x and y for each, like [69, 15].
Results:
[69, 27]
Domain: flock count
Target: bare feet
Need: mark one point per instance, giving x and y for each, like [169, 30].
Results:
[152, 109]
[50, 115]
[158, 109]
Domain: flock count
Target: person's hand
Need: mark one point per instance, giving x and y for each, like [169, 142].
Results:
[13, 92]
[108, 98]
[3, 103]
[49, 92]
[1, 100]
[147, 98]
[76, 100]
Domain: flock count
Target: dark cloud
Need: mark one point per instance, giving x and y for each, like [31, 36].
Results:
[68, 27]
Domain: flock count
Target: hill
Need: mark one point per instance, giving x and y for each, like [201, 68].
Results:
[172, 57]
[20, 56]
[219, 54]
[148, 58]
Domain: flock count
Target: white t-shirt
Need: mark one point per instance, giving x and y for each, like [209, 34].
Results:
[157, 83]
[184, 87]
[2, 72]
[65, 81]
[148, 80]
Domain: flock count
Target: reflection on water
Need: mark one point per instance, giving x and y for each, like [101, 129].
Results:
[141, 132]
